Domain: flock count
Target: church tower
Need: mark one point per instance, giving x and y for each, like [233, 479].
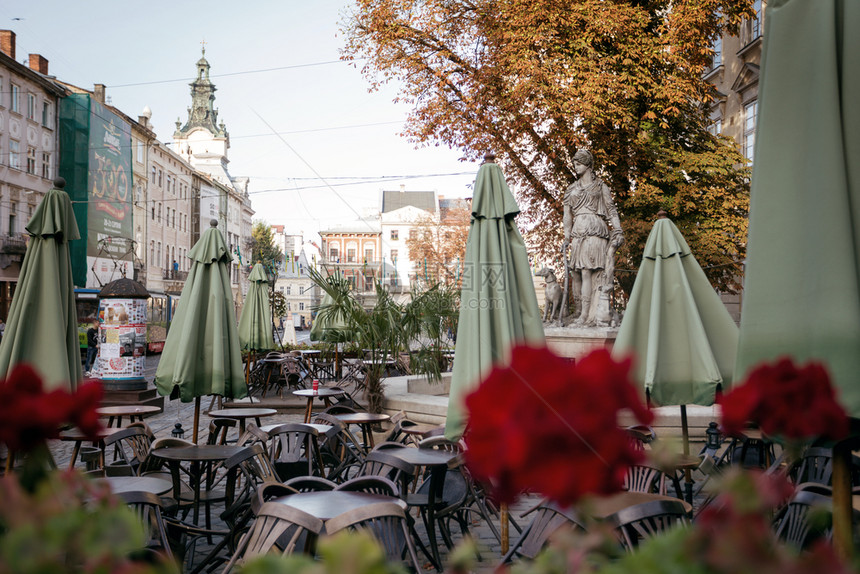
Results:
[202, 141]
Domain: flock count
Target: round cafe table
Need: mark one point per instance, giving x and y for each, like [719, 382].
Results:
[242, 414]
[604, 506]
[365, 421]
[75, 435]
[323, 393]
[200, 456]
[437, 461]
[151, 484]
[132, 411]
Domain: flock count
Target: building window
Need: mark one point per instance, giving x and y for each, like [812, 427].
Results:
[368, 255]
[153, 175]
[14, 154]
[46, 165]
[139, 148]
[717, 59]
[16, 94]
[394, 255]
[715, 128]
[31, 106]
[332, 254]
[751, 28]
[160, 173]
[152, 251]
[289, 288]
[31, 160]
[158, 252]
[169, 177]
[350, 255]
[159, 217]
[413, 233]
[46, 114]
[301, 306]
[395, 235]
[13, 218]
[750, 115]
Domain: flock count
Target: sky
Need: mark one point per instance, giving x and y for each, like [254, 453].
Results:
[317, 146]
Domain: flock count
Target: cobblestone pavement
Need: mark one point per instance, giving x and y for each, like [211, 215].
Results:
[174, 411]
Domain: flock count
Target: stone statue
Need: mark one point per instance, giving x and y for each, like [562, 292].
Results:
[552, 294]
[593, 232]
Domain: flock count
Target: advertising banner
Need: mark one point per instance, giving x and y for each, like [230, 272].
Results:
[122, 336]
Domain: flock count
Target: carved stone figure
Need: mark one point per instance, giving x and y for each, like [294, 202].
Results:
[552, 294]
[592, 231]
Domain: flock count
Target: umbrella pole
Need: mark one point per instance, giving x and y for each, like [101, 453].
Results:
[505, 535]
[196, 417]
[685, 434]
[842, 500]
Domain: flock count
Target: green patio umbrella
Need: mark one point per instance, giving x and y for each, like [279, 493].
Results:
[42, 326]
[255, 322]
[802, 286]
[201, 354]
[682, 337]
[498, 305]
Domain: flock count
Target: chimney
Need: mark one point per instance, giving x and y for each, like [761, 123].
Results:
[99, 93]
[7, 43]
[39, 63]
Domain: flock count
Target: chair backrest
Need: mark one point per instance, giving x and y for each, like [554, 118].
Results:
[247, 470]
[643, 521]
[145, 427]
[154, 463]
[269, 492]
[640, 435]
[310, 484]
[371, 484]
[340, 450]
[295, 442]
[253, 434]
[400, 472]
[548, 518]
[641, 478]
[148, 508]
[440, 443]
[793, 525]
[385, 522]
[278, 528]
[340, 410]
[219, 429]
[131, 446]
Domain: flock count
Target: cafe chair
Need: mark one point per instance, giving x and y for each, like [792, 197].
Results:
[156, 467]
[340, 450]
[642, 478]
[548, 518]
[311, 484]
[643, 521]
[130, 447]
[148, 508]
[400, 472]
[640, 435]
[386, 523]
[294, 450]
[372, 485]
[253, 434]
[278, 529]
[269, 492]
[807, 517]
[219, 429]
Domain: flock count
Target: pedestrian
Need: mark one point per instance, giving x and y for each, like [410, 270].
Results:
[2, 329]
[92, 346]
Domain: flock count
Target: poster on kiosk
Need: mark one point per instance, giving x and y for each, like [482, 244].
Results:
[122, 339]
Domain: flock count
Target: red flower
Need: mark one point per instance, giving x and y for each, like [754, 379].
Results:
[29, 416]
[543, 424]
[787, 401]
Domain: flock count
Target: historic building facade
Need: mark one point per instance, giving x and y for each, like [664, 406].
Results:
[29, 144]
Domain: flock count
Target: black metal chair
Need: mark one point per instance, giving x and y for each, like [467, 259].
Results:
[643, 521]
[548, 518]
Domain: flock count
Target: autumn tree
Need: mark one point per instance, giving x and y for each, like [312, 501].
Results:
[439, 244]
[536, 80]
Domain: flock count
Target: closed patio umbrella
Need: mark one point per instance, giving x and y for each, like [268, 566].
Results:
[255, 322]
[201, 354]
[802, 286]
[682, 337]
[42, 326]
[498, 305]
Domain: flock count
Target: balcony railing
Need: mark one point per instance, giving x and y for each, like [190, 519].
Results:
[174, 275]
[13, 243]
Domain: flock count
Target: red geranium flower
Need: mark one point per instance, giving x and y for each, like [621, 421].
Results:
[544, 424]
[786, 400]
[29, 415]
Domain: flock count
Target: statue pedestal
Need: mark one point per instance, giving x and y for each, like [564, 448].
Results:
[576, 342]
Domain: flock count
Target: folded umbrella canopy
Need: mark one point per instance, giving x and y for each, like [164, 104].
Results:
[255, 322]
[42, 327]
[201, 354]
[802, 287]
[498, 305]
[682, 337]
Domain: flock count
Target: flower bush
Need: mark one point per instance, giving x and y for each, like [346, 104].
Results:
[788, 401]
[541, 423]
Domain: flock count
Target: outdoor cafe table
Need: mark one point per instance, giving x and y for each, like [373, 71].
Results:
[242, 414]
[438, 462]
[364, 420]
[199, 456]
[151, 484]
[323, 393]
[117, 412]
[75, 435]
